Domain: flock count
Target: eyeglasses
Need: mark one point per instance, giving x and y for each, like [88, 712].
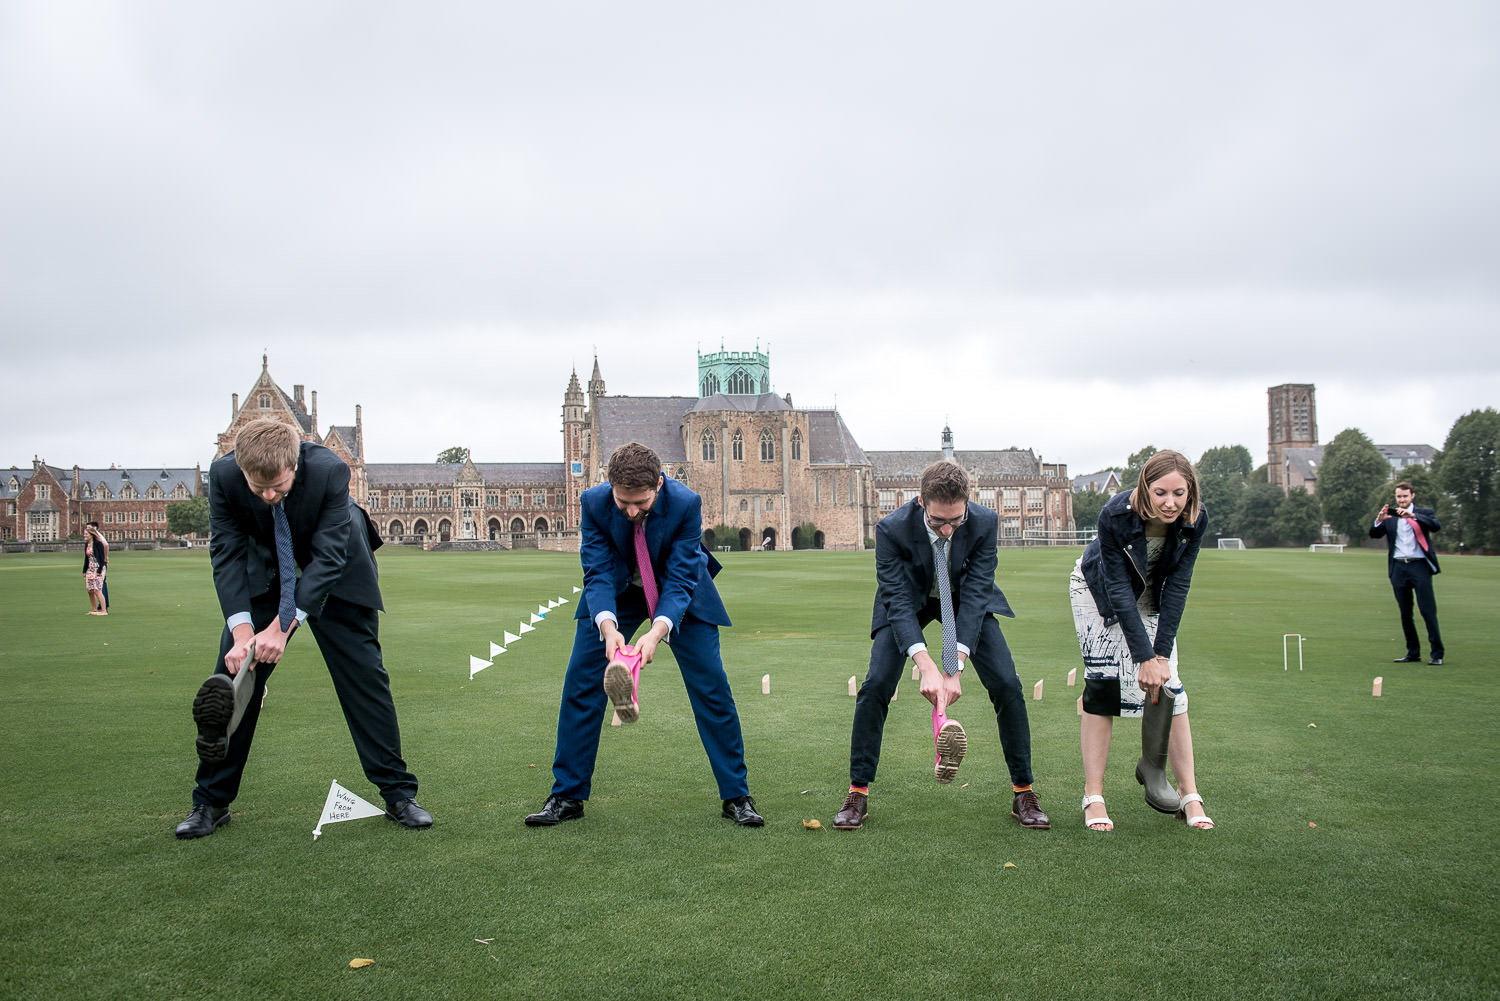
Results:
[937, 523]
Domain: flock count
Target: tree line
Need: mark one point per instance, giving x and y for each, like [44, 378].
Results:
[1354, 480]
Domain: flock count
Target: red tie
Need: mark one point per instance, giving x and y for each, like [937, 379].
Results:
[643, 563]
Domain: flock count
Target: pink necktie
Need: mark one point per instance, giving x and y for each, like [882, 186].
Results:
[643, 563]
[1417, 531]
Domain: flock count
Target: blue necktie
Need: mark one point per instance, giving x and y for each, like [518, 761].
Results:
[286, 568]
[945, 605]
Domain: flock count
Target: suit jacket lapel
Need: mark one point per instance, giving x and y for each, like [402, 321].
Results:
[921, 547]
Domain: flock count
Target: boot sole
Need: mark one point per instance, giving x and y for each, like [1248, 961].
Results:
[621, 691]
[213, 708]
[952, 744]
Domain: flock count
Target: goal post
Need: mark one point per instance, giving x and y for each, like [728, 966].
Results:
[1231, 543]
[1326, 547]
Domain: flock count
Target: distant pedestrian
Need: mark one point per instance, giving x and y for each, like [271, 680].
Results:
[95, 559]
[1411, 564]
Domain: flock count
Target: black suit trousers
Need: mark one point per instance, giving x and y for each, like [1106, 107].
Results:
[348, 636]
[991, 660]
[1415, 580]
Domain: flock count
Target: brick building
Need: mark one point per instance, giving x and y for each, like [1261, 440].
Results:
[48, 503]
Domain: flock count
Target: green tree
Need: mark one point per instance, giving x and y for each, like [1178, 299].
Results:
[1424, 485]
[454, 455]
[188, 517]
[723, 535]
[1086, 507]
[1469, 470]
[1221, 479]
[1352, 467]
[1299, 518]
[804, 535]
[1255, 517]
[1133, 467]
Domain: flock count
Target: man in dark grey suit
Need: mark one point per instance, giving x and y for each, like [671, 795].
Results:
[1411, 563]
[272, 473]
[907, 598]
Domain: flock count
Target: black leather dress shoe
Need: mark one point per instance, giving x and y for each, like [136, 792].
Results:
[203, 821]
[1408, 659]
[1436, 662]
[213, 708]
[1028, 811]
[409, 814]
[741, 810]
[555, 811]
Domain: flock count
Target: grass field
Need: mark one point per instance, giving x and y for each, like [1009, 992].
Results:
[1355, 854]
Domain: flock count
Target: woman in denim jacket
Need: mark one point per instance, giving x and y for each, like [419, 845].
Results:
[1128, 591]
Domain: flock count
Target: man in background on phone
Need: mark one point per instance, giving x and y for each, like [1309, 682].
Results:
[1411, 564]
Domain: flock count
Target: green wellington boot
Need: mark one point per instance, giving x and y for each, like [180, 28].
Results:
[1151, 769]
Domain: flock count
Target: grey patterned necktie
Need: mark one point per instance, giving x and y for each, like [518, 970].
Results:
[945, 602]
[286, 568]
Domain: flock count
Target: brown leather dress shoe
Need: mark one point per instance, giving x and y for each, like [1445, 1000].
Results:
[851, 815]
[1028, 811]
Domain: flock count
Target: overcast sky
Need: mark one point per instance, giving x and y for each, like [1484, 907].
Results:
[1074, 227]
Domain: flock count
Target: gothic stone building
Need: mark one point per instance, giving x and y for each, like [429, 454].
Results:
[1033, 498]
[768, 471]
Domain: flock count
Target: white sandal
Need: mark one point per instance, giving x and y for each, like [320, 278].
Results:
[1204, 823]
[1088, 822]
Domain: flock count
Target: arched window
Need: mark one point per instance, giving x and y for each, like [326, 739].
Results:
[744, 504]
[709, 386]
[796, 444]
[265, 402]
[541, 524]
[741, 383]
[738, 449]
[767, 447]
[710, 447]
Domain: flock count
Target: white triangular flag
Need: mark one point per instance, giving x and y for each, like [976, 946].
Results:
[344, 805]
[510, 637]
[577, 589]
[477, 664]
[561, 600]
[495, 648]
[541, 610]
[551, 605]
[527, 629]
[535, 618]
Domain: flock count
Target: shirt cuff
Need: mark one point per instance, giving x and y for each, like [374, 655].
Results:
[670, 625]
[599, 621]
[915, 649]
[239, 619]
[962, 649]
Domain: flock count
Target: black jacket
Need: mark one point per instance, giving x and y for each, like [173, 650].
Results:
[1114, 565]
[1429, 524]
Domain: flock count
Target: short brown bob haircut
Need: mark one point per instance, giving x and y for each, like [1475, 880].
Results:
[944, 482]
[1161, 464]
[265, 448]
[633, 466]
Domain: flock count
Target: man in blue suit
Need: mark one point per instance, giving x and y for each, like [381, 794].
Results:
[1411, 563]
[640, 509]
[907, 598]
[273, 474]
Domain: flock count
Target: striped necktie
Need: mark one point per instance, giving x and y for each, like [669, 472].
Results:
[286, 568]
[945, 602]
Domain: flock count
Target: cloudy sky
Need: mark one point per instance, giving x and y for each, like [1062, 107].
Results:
[1077, 227]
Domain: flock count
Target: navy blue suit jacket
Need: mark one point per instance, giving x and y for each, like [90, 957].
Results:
[332, 538]
[1429, 523]
[674, 539]
[904, 580]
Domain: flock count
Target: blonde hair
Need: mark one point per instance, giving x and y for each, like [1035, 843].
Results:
[1162, 464]
[265, 448]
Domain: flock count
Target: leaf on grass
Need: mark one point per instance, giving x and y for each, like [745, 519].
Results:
[484, 941]
[812, 825]
[355, 964]
[1312, 726]
[964, 786]
[1311, 824]
[1009, 865]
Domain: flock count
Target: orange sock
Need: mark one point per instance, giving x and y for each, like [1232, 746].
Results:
[862, 790]
[1024, 788]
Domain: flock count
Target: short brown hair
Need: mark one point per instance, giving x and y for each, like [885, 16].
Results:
[634, 467]
[265, 448]
[1162, 464]
[1403, 485]
[945, 482]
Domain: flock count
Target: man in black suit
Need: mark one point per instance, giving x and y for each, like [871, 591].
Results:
[1411, 564]
[272, 473]
[907, 598]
